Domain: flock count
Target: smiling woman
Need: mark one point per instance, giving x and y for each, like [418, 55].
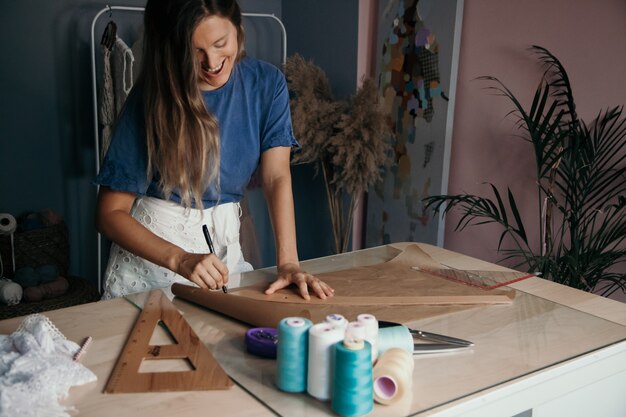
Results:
[217, 43]
[198, 123]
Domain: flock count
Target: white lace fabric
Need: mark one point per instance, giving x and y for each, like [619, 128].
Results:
[37, 370]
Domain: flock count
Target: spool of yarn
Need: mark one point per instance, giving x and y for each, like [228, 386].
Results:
[8, 225]
[47, 273]
[52, 289]
[393, 376]
[337, 320]
[292, 354]
[27, 276]
[355, 332]
[30, 221]
[50, 217]
[262, 341]
[352, 387]
[322, 339]
[395, 337]
[371, 332]
[10, 292]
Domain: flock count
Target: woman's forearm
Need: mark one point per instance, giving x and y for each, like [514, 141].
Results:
[276, 182]
[115, 222]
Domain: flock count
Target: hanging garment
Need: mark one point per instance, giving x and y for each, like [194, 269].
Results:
[117, 81]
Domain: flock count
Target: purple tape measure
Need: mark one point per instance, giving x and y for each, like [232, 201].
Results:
[262, 341]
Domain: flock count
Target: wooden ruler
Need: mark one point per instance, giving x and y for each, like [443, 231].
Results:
[126, 378]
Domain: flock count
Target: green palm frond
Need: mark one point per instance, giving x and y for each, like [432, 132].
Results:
[558, 80]
[581, 188]
[541, 123]
[479, 210]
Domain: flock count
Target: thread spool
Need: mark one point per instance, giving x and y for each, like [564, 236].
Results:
[292, 354]
[337, 320]
[371, 332]
[322, 339]
[355, 333]
[262, 341]
[395, 337]
[353, 388]
[8, 225]
[393, 376]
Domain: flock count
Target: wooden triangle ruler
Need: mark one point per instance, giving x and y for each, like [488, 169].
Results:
[126, 378]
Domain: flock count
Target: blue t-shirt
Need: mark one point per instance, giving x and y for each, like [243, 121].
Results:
[252, 110]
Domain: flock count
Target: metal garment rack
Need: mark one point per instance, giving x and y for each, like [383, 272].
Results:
[96, 127]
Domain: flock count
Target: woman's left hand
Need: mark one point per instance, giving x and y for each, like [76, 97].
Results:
[292, 274]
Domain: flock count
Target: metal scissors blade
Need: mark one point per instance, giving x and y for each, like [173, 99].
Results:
[423, 335]
[419, 348]
[442, 343]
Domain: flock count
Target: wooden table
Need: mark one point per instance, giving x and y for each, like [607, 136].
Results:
[556, 350]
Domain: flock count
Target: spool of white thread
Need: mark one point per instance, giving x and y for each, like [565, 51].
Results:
[355, 330]
[337, 320]
[371, 332]
[322, 338]
[7, 228]
[393, 376]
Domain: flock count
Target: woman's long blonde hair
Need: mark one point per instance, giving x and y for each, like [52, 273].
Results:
[182, 135]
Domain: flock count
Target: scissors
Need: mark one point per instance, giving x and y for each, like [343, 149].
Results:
[436, 343]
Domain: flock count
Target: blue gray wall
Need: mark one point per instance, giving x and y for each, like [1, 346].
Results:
[47, 155]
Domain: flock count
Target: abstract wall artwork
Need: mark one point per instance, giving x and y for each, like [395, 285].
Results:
[417, 60]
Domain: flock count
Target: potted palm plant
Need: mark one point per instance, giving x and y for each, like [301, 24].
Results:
[581, 188]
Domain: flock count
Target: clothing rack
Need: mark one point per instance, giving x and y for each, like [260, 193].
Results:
[110, 9]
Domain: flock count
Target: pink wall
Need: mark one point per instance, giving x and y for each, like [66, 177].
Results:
[588, 37]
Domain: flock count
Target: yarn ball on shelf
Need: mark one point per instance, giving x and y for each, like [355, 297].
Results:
[47, 273]
[52, 289]
[26, 276]
[10, 292]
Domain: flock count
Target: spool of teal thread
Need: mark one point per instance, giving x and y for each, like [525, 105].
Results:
[395, 337]
[353, 393]
[292, 354]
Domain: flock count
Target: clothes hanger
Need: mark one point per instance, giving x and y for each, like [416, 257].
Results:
[110, 32]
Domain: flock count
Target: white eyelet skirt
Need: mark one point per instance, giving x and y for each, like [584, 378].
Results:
[127, 273]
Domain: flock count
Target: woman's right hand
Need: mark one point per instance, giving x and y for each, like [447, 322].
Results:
[203, 269]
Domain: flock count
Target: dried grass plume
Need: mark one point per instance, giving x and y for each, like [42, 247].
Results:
[349, 140]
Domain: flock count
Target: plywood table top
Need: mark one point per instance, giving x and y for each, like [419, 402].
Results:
[536, 332]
